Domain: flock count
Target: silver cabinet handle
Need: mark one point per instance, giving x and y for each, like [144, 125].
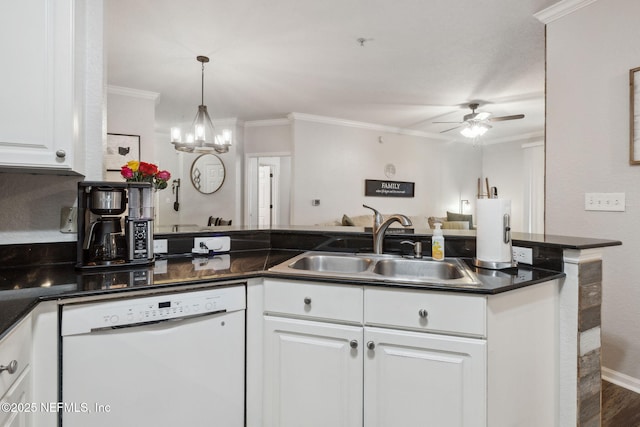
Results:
[307, 300]
[371, 345]
[423, 313]
[61, 154]
[11, 368]
[353, 343]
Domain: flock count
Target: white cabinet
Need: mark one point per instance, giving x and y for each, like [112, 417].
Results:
[38, 124]
[327, 366]
[348, 355]
[15, 382]
[313, 374]
[19, 402]
[415, 378]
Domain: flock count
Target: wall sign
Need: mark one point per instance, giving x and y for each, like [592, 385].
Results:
[376, 188]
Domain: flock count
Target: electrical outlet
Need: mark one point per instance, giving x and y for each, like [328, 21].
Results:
[160, 246]
[68, 220]
[612, 202]
[204, 245]
[522, 255]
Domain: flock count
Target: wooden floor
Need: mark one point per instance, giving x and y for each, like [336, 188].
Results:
[620, 407]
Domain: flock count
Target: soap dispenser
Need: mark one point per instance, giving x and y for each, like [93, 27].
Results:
[437, 243]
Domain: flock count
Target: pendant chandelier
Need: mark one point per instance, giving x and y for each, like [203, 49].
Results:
[202, 135]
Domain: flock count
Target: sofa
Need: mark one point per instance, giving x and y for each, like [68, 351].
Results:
[452, 221]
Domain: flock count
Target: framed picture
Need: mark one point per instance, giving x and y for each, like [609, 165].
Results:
[120, 150]
[377, 188]
[634, 116]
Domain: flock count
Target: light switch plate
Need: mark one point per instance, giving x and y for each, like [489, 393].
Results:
[611, 202]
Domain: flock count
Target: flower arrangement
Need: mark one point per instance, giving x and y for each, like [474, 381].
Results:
[137, 171]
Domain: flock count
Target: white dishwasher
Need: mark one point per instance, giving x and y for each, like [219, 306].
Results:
[165, 360]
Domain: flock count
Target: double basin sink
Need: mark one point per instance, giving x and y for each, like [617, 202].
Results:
[393, 268]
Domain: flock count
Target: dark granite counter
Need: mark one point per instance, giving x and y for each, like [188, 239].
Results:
[22, 288]
[30, 273]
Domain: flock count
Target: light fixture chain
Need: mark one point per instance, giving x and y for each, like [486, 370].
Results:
[202, 87]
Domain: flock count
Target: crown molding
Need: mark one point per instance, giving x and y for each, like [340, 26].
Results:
[560, 9]
[532, 136]
[268, 122]
[134, 93]
[364, 125]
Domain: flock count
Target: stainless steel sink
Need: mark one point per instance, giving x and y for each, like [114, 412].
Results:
[332, 263]
[419, 269]
[373, 267]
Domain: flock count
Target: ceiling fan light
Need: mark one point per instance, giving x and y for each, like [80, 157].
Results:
[474, 129]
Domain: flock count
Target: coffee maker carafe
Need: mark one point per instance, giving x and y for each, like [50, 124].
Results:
[107, 236]
[105, 243]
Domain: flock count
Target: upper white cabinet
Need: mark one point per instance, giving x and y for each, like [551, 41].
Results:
[38, 117]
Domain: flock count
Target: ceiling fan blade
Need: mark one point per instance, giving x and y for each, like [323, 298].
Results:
[450, 129]
[503, 118]
[449, 122]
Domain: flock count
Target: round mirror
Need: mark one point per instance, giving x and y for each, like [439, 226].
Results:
[207, 173]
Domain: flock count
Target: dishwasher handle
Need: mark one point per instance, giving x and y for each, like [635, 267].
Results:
[157, 321]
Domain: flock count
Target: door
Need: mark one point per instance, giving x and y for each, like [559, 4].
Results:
[416, 378]
[265, 196]
[313, 374]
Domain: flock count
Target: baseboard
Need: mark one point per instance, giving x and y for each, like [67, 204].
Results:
[620, 379]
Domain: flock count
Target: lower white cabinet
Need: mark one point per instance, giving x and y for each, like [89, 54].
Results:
[15, 376]
[324, 369]
[420, 379]
[313, 374]
[18, 402]
[385, 357]
[322, 374]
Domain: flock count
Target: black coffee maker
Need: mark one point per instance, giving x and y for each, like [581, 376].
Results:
[107, 238]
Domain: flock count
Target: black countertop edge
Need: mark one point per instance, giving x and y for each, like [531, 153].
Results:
[181, 273]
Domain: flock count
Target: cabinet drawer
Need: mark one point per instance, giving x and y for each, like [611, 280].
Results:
[15, 346]
[313, 300]
[427, 311]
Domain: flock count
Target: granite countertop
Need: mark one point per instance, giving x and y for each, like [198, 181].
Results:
[22, 288]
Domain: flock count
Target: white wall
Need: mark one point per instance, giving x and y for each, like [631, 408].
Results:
[589, 55]
[332, 160]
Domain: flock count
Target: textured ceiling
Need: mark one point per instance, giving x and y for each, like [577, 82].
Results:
[421, 61]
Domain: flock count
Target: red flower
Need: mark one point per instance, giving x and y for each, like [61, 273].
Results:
[148, 169]
[126, 172]
[163, 175]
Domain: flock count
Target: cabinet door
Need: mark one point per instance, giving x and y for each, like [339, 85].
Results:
[36, 82]
[20, 394]
[313, 374]
[422, 379]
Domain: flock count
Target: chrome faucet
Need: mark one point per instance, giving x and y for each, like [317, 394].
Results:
[377, 218]
[380, 227]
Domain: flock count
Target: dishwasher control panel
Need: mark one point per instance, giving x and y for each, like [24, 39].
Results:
[84, 318]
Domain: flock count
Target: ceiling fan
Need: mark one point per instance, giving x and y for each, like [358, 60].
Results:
[476, 124]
